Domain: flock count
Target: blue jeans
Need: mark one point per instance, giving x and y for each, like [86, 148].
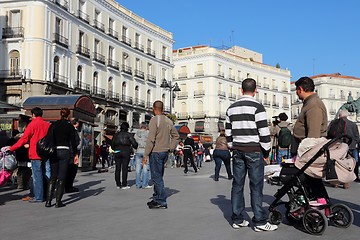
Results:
[282, 153]
[221, 156]
[355, 154]
[39, 172]
[253, 164]
[199, 160]
[157, 167]
[142, 172]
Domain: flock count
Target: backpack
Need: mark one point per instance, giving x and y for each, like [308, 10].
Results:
[337, 128]
[284, 138]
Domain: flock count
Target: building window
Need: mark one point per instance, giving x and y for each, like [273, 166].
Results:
[111, 53]
[148, 97]
[79, 75]
[97, 46]
[56, 65]
[163, 98]
[14, 62]
[110, 84]
[15, 19]
[163, 73]
[95, 79]
[123, 90]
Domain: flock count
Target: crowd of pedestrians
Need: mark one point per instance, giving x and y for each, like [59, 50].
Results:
[243, 147]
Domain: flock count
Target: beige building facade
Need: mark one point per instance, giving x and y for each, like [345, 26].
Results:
[334, 90]
[92, 47]
[210, 81]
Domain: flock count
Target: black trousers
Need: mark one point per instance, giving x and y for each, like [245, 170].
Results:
[59, 165]
[122, 160]
[70, 176]
[188, 155]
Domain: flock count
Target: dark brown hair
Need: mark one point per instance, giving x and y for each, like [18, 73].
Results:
[64, 113]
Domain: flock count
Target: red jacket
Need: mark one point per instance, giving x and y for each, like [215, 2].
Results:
[35, 131]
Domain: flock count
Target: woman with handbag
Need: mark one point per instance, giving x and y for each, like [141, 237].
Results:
[65, 142]
[222, 154]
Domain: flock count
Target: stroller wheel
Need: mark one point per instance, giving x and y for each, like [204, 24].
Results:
[275, 217]
[315, 222]
[341, 215]
[292, 218]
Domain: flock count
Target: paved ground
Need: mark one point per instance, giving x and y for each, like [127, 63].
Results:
[199, 208]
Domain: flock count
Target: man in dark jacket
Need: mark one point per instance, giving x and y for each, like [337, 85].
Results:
[122, 144]
[189, 148]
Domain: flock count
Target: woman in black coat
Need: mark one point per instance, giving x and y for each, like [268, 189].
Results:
[122, 144]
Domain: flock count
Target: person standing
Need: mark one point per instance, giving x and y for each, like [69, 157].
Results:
[199, 154]
[36, 130]
[142, 170]
[122, 144]
[222, 155]
[283, 135]
[189, 148]
[74, 160]
[65, 142]
[104, 152]
[312, 122]
[162, 138]
[248, 136]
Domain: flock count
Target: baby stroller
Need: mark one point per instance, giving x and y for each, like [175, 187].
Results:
[7, 165]
[301, 207]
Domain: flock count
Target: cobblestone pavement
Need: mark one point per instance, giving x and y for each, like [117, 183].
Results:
[199, 208]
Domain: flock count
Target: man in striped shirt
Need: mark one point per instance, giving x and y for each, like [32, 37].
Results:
[248, 136]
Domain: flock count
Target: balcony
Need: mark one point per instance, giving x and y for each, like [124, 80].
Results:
[126, 99]
[139, 74]
[275, 105]
[113, 64]
[232, 77]
[199, 93]
[198, 115]
[82, 87]
[126, 69]
[150, 52]
[62, 3]
[99, 92]
[113, 33]
[266, 85]
[83, 51]
[83, 16]
[232, 96]
[126, 40]
[98, 25]
[182, 75]
[199, 73]
[221, 94]
[151, 78]
[139, 102]
[149, 105]
[99, 58]
[165, 58]
[109, 120]
[221, 74]
[286, 106]
[182, 116]
[221, 115]
[182, 95]
[11, 74]
[113, 96]
[61, 40]
[13, 32]
[266, 103]
[139, 47]
[60, 80]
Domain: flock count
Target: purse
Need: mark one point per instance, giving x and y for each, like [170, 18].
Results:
[4, 174]
[45, 147]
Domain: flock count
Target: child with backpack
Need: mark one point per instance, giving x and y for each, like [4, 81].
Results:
[283, 136]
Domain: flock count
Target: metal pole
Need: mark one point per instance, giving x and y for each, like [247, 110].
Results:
[171, 98]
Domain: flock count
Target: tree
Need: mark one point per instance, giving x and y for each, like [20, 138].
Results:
[172, 117]
[277, 65]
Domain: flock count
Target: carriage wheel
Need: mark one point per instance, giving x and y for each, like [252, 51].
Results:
[315, 222]
[275, 217]
[341, 215]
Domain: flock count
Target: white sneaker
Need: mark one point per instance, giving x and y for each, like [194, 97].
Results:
[124, 188]
[265, 227]
[240, 225]
[148, 187]
[118, 187]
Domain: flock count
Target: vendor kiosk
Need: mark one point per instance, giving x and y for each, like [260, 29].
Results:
[81, 107]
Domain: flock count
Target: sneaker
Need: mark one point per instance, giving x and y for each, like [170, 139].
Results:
[155, 205]
[126, 187]
[240, 225]
[27, 198]
[148, 187]
[118, 187]
[265, 227]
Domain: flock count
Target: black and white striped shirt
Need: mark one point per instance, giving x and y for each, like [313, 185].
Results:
[246, 125]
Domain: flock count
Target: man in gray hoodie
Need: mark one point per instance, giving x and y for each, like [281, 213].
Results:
[142, 171]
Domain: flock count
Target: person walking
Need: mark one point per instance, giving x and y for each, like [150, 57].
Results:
[248, 136]
[104, 152]
[142, 170]
[188, 150]
[222, 155]
[74, 160]
[283, 136]
[36, 130]
[65, 141]
[162, 139]
[199, 154]
[122, 144]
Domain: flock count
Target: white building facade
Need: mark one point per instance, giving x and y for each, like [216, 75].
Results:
[210, 80]
[334, 90]
[92, 47]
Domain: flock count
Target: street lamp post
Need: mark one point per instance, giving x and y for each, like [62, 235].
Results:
[172, 88]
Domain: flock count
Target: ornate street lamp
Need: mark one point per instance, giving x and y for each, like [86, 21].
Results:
[172, 88]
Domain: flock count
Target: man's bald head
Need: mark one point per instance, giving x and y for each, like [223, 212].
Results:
[158, 105]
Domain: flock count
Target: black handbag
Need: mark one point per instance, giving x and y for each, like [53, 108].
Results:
[45, 148]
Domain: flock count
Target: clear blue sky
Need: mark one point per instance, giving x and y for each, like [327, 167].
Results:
[308, 37]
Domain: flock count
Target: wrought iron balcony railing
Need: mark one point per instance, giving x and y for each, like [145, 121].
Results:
[139, 74]
[126, 40]
[99, 25]
[126, 69]
[165, 58]
[113, 96]
[100, 92]
[59, 79]
[83, 16]
[150, 52]
[11, 74]
[113, 64]
[13, 32]
[139, 46]
[99, 58]
[151, 78]
[61, 40]
[83, 51]
[113, 33]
